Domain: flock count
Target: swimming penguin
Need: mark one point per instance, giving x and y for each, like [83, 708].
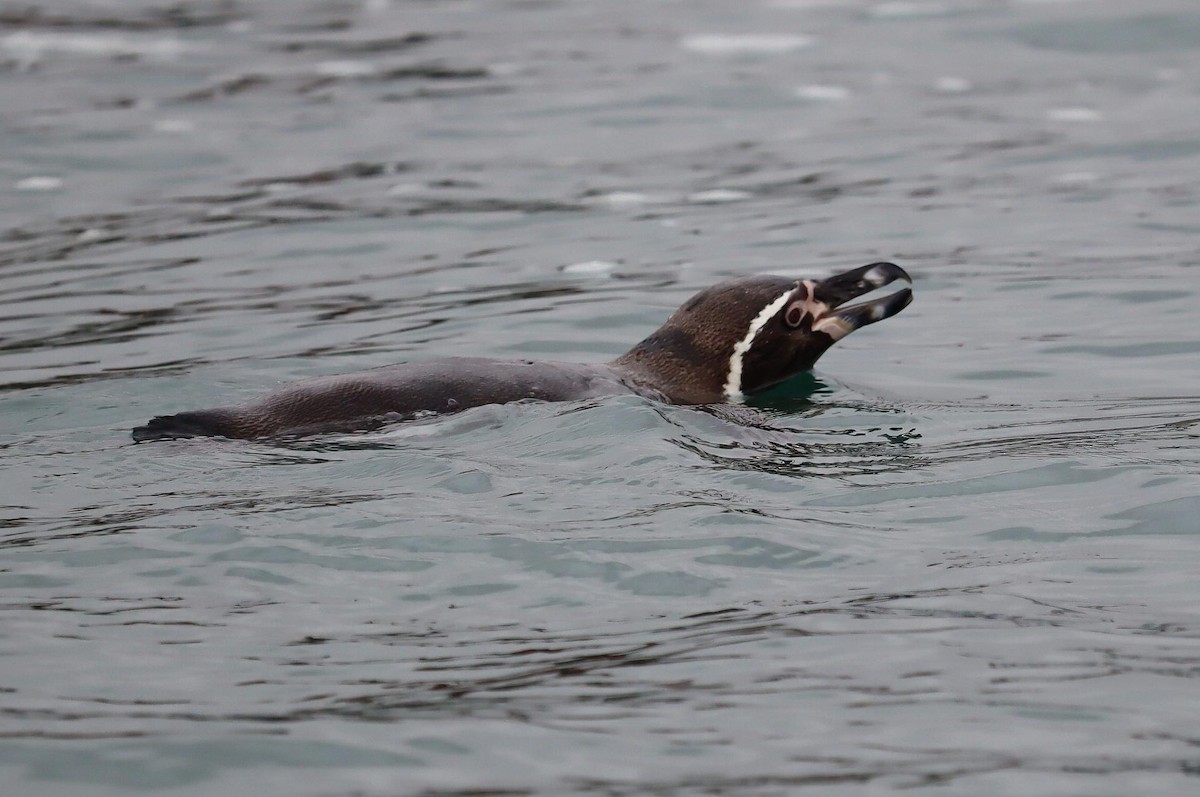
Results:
[728, 341]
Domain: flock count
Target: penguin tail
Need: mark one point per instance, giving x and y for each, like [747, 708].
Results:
[185, 424]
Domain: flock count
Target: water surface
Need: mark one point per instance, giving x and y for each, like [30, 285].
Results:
[961, 556]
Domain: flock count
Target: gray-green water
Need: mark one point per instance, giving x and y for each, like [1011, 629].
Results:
[964, 563]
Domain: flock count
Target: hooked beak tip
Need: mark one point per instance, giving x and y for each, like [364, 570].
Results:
[841, 318]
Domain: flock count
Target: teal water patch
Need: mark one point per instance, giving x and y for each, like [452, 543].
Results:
[1145, 33]
[259, 574]
[1148, 296]
[1161, 348]
[288, 555]
[1003, 374]
[1185, 229]
[24, 581]
[153, 765]
[209, 534]
[468, 483]
[1028, 534]
[1056, 474]
[110, 555]
[1175, 517]
[760, 553]
[473, 590]
[673, 584]
[1180, 516]
[1142, 150]
[1060, 714]
[791, 395]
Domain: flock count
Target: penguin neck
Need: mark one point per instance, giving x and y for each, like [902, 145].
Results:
[676, 367]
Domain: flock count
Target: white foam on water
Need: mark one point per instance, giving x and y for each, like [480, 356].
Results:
[621, 199]
[407, 189]
[174, 126]
[1074, 115]
[507, 69]
[40, 183]
[952, 85]
[1068, 182]
[899, 10]
[30, 47]
[718, 196]
[590, 267]
[347, 69]
[823, 93]
[1077, 178]
[802, 4]
[746, 43]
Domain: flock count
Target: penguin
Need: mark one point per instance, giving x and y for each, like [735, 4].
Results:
[729, 341]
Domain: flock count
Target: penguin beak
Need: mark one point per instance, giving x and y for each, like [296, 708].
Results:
[830, 297]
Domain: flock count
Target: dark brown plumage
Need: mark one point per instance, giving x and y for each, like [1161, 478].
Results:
[735, 338]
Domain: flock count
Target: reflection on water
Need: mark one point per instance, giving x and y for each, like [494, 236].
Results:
[960, 554]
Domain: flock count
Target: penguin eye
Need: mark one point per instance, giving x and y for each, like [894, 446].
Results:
[794, 315]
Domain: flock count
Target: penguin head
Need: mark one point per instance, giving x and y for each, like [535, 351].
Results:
[748, 334]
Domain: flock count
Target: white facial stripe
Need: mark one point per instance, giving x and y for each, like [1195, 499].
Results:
[733, 385]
